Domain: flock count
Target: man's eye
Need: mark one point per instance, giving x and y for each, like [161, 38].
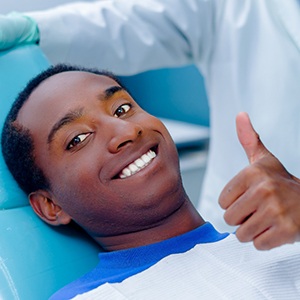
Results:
[77, 140]
[122, 109]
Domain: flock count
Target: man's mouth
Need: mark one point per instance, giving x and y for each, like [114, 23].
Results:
[138, 164]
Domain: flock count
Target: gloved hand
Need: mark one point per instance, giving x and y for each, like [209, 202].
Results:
[17, 29]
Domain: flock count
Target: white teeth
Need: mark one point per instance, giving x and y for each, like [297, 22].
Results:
[133, 168]
[126, 172]
[152, 154]
[138, 164]
[146, 158]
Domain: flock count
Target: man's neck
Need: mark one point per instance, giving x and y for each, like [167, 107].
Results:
[185, 219]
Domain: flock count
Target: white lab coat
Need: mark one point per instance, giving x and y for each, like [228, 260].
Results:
[247, 50]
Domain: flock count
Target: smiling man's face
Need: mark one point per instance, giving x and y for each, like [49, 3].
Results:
[112, 167]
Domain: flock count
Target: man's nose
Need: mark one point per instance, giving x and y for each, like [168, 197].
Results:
[124, 133]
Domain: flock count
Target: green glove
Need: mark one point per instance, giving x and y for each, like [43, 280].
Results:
[17, 29]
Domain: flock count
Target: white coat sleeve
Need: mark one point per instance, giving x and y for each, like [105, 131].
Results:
[127, 36]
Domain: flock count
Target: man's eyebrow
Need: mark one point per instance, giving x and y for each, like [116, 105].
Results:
[69, 117]
[112, 90]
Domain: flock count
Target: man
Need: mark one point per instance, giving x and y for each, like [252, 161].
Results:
[247, 51]
[84, 151]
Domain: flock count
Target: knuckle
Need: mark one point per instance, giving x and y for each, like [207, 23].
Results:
[228, 218]
[255, 170]
[290, 232]
[251, 171]
[242, 235]
[261, 245]
[275, 211]
[267, 188]
[222, 201]
[266, 243]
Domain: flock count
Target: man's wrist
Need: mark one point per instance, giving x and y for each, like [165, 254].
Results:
[17, 29]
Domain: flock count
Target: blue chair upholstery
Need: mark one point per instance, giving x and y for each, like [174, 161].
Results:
[35, 259]
[15, 71]
[171, 93]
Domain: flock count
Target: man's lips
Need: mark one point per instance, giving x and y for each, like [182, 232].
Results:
[137, 165]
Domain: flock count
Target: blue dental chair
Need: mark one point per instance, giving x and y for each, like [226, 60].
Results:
[36, 259]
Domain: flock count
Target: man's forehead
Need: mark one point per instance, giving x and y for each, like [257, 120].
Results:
[74, 78]
[61, 89]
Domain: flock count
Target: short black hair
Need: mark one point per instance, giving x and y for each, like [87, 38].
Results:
[16, 141]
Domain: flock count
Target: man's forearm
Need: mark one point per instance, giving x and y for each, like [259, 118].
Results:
[126, 37]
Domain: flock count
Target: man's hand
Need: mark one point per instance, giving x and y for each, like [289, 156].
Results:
[16, 29]
[263, 199]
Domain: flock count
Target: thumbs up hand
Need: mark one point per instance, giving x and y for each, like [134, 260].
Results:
[264, 198]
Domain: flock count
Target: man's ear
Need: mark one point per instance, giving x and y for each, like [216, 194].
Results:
[43, 205]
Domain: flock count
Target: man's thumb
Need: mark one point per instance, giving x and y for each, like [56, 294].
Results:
[249, 138]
